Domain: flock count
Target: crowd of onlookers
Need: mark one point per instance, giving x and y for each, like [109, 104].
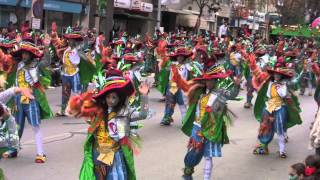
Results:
[308, 170]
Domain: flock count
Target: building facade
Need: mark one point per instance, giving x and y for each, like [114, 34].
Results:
[185, 14]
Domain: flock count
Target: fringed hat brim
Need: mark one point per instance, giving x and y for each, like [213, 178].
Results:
[186, 55]
[123, 88]
[36, 53]
[76, 37]
[213, 76]
[285, 74]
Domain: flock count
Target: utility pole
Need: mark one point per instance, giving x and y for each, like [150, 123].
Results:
[109, 19]
[159, 14]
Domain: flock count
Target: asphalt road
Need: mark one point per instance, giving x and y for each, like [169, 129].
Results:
[161, 157]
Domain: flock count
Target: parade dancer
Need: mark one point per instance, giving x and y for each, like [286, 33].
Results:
[28, 75]
[307, 76]
[316, 70]
[70, 70]
[206, 119]
[7, 64]
[276, 107]
[9, 138]
[131, 65]
[111, 140]
[173, 93]
[77, 69]
[235, 60]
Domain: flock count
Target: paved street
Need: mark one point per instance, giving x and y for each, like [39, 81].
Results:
[163, 149]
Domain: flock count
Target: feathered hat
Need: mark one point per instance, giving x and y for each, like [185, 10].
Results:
[280, 68]
[117, 84]
[6, 43]
[181, 51]
[217, 71]
[28, 47]
[73, 33]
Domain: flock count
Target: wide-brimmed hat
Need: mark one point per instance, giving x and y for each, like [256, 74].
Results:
[116, 42]
[280, 68]
[290, 54]
[72, 33]
[6, 43]
[215, 72]
[129, 57]
[29, 47]
[181, 51]
[117, 84]
[285, 72]
[202, 49]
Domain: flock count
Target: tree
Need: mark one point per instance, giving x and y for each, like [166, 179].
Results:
[202, 4]
[314, 7]
[292, 11]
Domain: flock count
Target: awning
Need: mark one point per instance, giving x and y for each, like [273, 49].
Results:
[176, 11]
[55, 5]
[135, 16]
[8, 2]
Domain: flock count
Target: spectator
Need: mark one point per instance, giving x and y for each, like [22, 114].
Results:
[312, 163]
[297, 171]
[223, 29]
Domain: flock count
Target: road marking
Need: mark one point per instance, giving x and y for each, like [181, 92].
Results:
[56, 137]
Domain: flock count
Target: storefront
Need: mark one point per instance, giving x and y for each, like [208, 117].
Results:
[8, 12]
[135, 15]
[63, 13]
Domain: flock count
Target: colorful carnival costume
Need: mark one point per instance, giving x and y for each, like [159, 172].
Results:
[316, 71]
[235, 60]
[7, 64]
[29, 74]
[111, 137]
[77, 69]
[9, 138]
[307, 79]
[174, 94]
[132, 65]
[207, 117]
[276, 107]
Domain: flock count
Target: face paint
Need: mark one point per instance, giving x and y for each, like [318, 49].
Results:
[112, 99]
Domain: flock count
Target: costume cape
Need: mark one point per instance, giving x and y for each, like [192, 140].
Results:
[163, 78]
[245, 70]
[293, 107]
[217, 134]
[86, 71]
